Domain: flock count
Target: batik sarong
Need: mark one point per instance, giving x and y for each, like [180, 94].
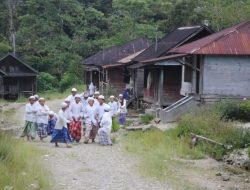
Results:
[61, 136]
[76, 130]
[122, 118]
[51, 126]
[29, 129]
[42, 130]
[104, 138]
[93, 132]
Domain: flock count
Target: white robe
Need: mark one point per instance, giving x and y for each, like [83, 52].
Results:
[71, 99]
[106, 122]
[100, 111]
[30, 112]
[122, 108]
[42, 114]
[61, 120]
[114, 108]
[90, 113]
[91, 89]
[76, 110]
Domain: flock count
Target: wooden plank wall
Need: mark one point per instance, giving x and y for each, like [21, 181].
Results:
[115, 77]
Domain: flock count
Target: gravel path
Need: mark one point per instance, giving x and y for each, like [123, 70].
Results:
[92, 166]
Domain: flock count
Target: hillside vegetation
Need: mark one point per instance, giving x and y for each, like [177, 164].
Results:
[54, 35]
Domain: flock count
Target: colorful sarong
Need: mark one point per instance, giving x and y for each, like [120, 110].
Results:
[122, 118]
[42, 130]
[51, 126]
[29, 129]
[76, 130]
[104, 138]
[93, 132]
[61, 136]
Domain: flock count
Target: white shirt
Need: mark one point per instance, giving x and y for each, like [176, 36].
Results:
[84, 102]
[100, 111]
[114, 108]
[90, 113]
[68, 114]
[61, 120]
[42, 114]
[30, 112]
[122, 108]
[76, 110]
[36, 106]
[106, 122]
[91, 89]
[96, 103]
[71, 99]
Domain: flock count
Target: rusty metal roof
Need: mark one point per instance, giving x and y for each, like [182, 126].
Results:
[230, 41]
[113, 54]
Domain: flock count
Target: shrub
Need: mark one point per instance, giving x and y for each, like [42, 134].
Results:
[207, 122]
[234, 110]
[146, 119]
[46, 82]
[67, 81]
[115, 124]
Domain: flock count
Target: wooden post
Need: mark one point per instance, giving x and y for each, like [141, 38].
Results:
[194, 77]
[160, 87]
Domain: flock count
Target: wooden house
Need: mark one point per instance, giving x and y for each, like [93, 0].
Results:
[163, 78]
[107, 68]
[16, 78]
[220, 64]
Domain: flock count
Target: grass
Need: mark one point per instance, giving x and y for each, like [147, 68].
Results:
[20, 165]
[208, 122]
[128, 123]
[55, 94]
[49, 95]
[146, 119]
[115, 125]
[160, 154]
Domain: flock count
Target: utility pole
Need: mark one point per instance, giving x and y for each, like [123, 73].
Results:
[11, 7]
[156, 39]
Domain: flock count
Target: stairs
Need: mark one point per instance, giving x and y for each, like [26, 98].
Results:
[174, 111]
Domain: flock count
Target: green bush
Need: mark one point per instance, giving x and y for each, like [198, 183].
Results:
[234, 110]
[46, 82]
[115, 125]
[146, 119]
[208, 122]
[67, 81]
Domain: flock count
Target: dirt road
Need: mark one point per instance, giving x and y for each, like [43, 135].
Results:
[92, 166]
[95, 167]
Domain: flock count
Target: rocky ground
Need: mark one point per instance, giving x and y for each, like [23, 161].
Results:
[95, 167]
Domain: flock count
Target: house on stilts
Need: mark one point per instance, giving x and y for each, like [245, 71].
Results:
[16, 78]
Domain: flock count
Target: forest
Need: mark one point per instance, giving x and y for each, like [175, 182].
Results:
[54, 36]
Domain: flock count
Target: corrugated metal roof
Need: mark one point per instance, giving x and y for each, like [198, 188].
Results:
[128, 59]
[164, 58]
[113, 54]
[175, 38]
[230, 41]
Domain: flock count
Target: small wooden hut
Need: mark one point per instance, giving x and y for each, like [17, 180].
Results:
[16, 78]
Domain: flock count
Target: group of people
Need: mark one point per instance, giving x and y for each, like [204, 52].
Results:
[80, 115]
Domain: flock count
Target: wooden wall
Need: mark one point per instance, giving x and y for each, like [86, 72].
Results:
[226, 75]
[115, 77]
[171, 84]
